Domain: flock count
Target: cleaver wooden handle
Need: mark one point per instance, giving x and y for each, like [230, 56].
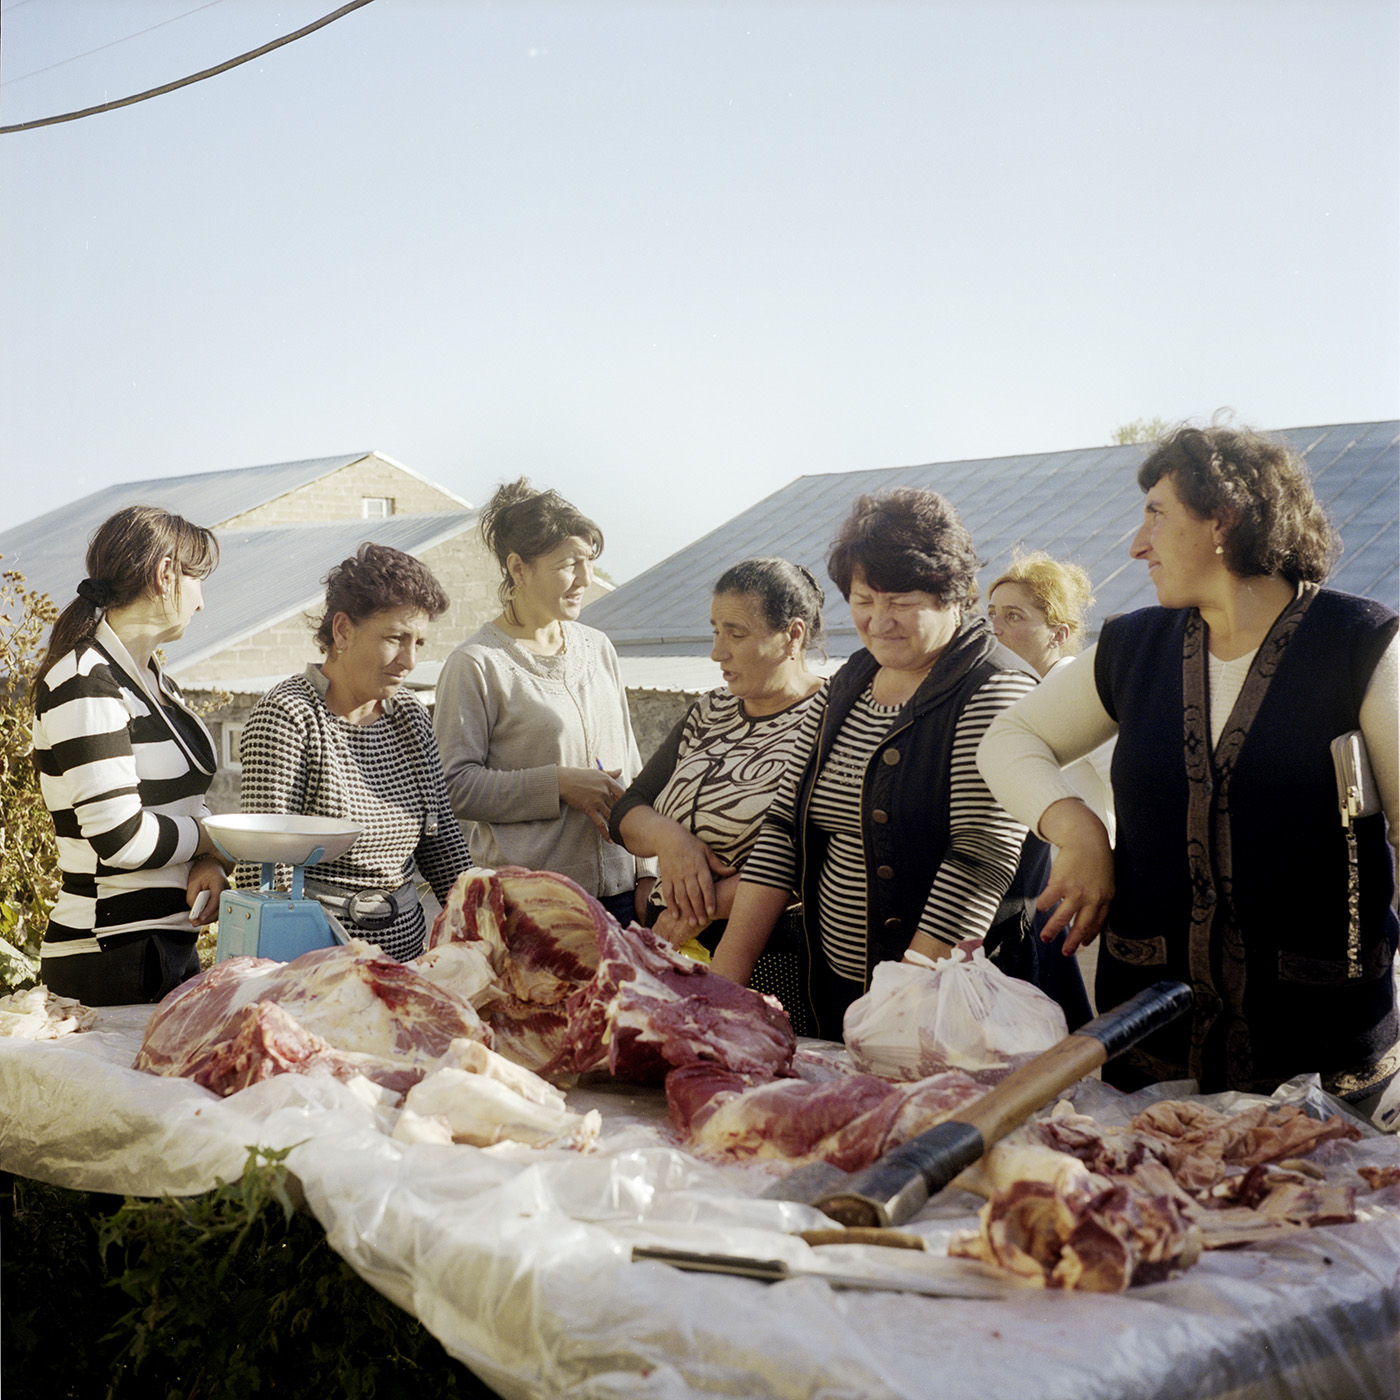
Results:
[896, 1187]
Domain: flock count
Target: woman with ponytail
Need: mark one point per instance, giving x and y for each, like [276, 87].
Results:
[124, 765]
[531, 715]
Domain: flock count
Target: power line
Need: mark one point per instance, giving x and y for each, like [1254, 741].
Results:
[193, 78]
[126, 38]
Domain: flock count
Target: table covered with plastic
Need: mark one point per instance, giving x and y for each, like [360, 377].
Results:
[520, 1261]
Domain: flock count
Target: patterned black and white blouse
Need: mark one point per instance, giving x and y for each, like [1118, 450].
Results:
[299, 756]
[717, 772]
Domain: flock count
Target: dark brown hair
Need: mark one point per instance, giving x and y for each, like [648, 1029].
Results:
[906, 541]
[122, 562]
[376, 578]
[520, 520]
[783, 592]
[1260, 492]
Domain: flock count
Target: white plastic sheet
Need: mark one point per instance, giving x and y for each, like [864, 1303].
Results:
[518, 1259]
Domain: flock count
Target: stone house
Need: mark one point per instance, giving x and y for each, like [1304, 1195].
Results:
[280, 530]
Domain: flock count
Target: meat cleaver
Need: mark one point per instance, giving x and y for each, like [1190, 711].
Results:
[893, 1189]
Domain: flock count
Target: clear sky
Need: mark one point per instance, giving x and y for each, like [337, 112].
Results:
[667, 255]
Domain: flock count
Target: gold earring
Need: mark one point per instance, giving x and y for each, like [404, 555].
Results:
[1220, 549]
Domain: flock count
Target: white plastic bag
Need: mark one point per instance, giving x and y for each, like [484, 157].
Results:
[923, 1016]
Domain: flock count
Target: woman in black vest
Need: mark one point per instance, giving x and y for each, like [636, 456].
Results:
[1232, 869]
[882, 822]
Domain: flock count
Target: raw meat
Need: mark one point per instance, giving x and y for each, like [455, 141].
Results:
[341, 1010]
[539, 933]
[263, 1040]
[849, 1122]
[1053, 1222]
[1085, 1206]
[650, 1009]
[573, 991]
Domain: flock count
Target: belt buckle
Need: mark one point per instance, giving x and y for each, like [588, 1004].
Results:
[379, 916]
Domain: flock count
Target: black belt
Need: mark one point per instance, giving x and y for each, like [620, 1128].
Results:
[373, 909]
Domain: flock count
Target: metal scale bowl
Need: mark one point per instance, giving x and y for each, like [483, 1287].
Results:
[267, 922]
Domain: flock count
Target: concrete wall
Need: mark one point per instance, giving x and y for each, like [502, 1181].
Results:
[339, 496]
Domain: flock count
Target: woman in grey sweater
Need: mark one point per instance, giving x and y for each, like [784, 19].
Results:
[531, 715]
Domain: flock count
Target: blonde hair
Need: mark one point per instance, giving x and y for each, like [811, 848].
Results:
[1061, 591]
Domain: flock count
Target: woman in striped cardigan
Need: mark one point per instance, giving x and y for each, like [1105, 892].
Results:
[124, 765]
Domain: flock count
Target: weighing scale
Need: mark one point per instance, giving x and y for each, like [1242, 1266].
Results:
[267, 922]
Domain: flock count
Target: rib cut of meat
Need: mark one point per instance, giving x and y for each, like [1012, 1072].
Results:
[539, 933]
[344, 1010]
[573, 991]
[649, 1010]
[849, 1122]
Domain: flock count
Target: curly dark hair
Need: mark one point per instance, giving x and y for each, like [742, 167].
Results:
[1261, 493]
[520, 520]
[375, 578]
[784, 592]
[906, 541]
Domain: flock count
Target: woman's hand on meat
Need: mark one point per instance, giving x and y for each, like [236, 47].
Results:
[206, 877]
[591, 791]
[1081, 884]
[688, 869]
[675, 930]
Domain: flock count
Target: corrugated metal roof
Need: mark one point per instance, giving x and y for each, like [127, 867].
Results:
[1083, 505]
[268, 575]
[49, 549]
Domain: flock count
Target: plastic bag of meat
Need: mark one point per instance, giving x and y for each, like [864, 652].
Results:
[922, 1016]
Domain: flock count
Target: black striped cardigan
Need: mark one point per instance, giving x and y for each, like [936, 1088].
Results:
[124, 779]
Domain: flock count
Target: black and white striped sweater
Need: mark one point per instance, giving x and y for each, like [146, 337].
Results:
[123, 769]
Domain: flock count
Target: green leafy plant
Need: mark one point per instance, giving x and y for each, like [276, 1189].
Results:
[227, 1294]
[28, 852]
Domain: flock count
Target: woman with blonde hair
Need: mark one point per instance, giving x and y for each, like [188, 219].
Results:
[1037, 606]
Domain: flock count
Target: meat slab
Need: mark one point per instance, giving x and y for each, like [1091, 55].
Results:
[573, 991]
[849, 1122]
[340, 1011]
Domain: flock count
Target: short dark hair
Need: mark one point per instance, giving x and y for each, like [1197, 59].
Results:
[906, 541]
[520, 520]
[375, 578]
[784, 592]
[1260, 492]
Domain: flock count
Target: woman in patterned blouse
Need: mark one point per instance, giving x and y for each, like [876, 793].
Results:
[344, 740]
[124, 765]
[698, 803]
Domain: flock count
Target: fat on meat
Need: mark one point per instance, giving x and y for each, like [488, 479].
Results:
[344, 1010]
[476, 1096]
[573, 991]
[849, 1122]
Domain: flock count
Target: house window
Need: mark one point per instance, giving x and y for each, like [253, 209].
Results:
[376, 507]
[231, 746]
